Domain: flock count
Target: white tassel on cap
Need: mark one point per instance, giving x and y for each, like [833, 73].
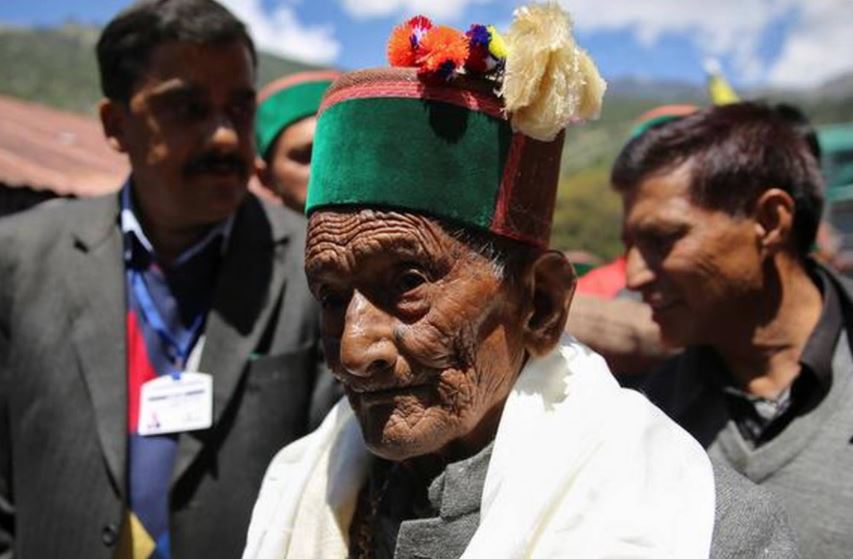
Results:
[549, 82]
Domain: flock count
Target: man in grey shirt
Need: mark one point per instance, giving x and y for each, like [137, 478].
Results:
[721, 210]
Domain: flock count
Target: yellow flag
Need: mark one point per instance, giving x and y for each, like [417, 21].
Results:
[719, 90]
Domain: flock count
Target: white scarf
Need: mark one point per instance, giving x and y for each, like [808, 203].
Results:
[580, 469]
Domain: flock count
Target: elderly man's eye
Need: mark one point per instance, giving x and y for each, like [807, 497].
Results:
[409, 280]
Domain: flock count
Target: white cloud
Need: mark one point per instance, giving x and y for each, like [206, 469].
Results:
[723, 28]
[438, 10]
[819, 47]
[718, 25]
[279, 31]
[816, 47]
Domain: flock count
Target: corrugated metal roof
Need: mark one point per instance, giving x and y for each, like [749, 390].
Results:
[46, 149]
[65, 153]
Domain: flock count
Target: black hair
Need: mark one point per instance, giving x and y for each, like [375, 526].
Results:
[802, 126]
[126, 43]
[736, 152]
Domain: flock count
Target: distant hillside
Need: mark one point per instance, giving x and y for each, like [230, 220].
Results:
[57, 67]
[54, 67]
[588, 213]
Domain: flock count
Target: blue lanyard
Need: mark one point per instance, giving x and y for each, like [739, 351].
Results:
[179, 349]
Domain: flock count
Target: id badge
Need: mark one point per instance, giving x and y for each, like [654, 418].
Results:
[175, 405]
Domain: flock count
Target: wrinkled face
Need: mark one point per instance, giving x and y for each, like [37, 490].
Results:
[290, 162]
[188, 131]
[698, 269]
[426, 340]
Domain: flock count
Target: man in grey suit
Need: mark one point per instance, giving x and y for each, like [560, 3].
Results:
[157, 346]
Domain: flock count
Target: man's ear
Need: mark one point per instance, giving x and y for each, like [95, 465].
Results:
[774, 220]
[265, 177]
[113, 117]
[550, 285]
[263, 172]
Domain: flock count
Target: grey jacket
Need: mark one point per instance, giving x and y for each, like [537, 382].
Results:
[63, 389]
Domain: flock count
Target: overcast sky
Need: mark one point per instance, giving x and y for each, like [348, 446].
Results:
[797, 43]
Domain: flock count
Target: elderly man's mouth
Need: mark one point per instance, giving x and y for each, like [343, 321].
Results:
[385, 395]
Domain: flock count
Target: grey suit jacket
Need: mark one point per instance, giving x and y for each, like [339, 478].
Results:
[63, 388]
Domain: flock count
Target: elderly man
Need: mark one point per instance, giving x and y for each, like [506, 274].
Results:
[284, 134]
[157, 346]
[721, 210]
[473, 428]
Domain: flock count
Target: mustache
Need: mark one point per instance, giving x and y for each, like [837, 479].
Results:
[217, 163]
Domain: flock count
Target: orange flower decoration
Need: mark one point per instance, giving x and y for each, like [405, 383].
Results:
[404, 43]
[442, 51]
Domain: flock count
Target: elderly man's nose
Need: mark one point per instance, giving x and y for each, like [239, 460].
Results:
[367, 342]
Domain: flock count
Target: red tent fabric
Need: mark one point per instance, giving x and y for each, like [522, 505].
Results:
[605, 281]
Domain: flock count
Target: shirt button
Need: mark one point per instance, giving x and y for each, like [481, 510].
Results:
[109, 535]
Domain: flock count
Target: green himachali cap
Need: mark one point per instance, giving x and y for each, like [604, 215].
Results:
[386, 139]
[286, 101]
[463, 126]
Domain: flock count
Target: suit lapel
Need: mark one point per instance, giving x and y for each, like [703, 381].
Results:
[249, 286]
[97, 304]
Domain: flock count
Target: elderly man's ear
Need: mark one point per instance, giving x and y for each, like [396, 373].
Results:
[550, 284]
